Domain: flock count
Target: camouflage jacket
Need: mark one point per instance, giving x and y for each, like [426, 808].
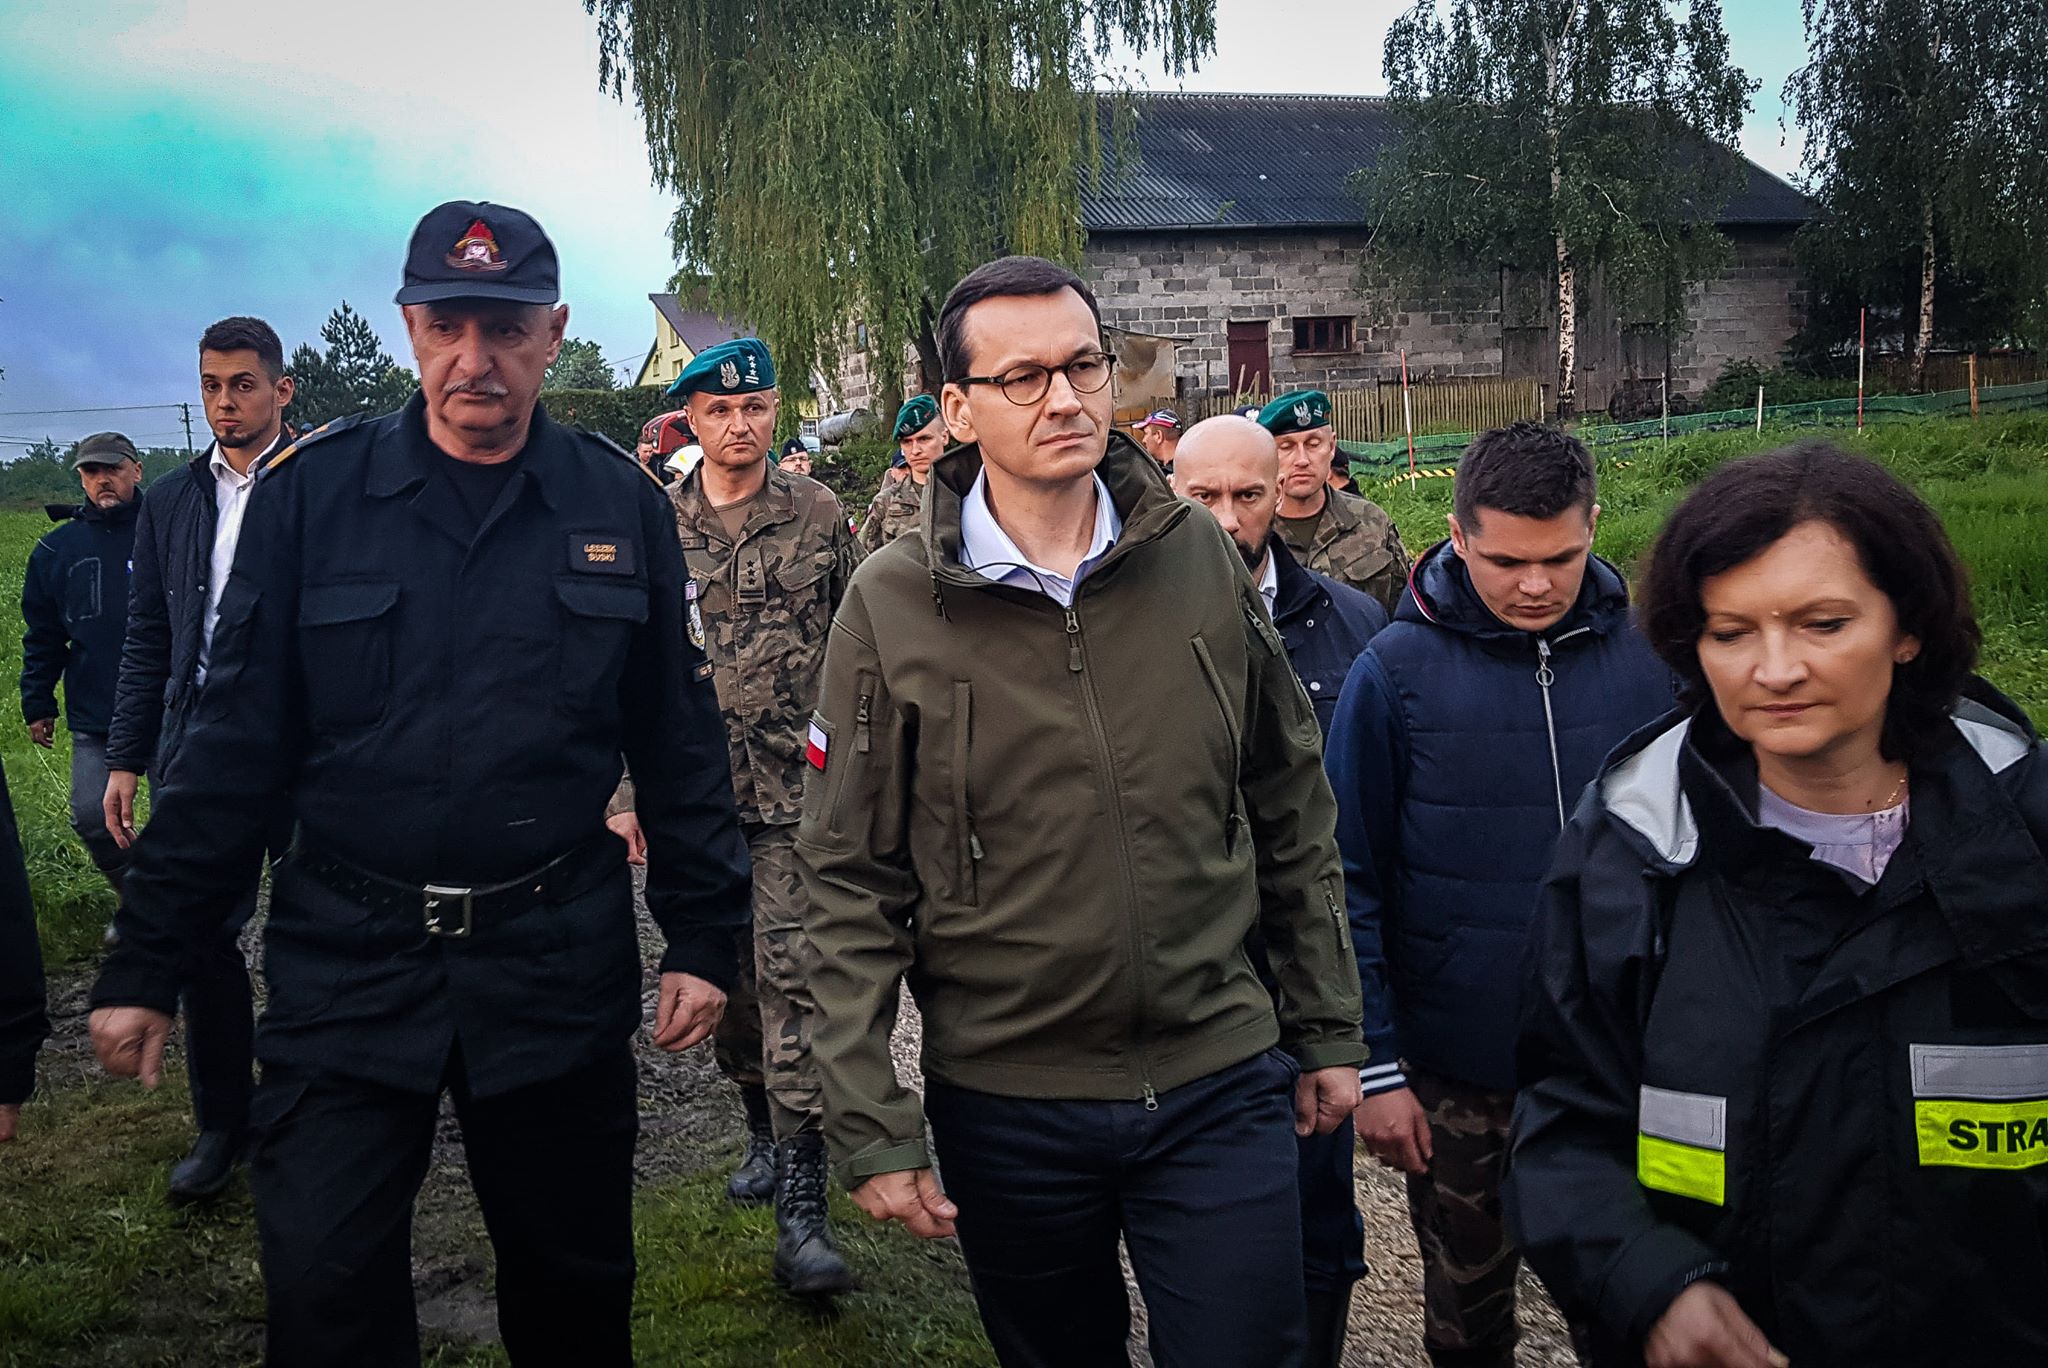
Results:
[891, 513]
[761, 609]
[1355, 543]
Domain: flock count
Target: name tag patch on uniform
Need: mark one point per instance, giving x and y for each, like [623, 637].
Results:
[600, 553]
[1980, 1106]
[1682, 1144]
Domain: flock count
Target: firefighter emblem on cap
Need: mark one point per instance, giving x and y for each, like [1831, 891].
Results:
[477, 250]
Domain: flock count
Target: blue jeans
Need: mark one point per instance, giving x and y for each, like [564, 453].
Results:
[88, 794]
[1202, 1190]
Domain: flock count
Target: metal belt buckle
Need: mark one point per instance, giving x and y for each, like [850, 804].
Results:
[441, 906]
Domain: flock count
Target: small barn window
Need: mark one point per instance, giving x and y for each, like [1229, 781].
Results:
[1323, 335]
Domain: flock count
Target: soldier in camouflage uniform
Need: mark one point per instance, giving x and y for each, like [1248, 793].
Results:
[1345, 536]
[920, 440]
[768, 557]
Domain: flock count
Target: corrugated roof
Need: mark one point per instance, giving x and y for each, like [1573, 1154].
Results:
[1280, 161]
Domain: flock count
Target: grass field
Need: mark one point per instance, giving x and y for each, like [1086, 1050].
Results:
[96, 1268]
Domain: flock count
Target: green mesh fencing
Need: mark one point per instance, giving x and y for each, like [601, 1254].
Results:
[1443, 449]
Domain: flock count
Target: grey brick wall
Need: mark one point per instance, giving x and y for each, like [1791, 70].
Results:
[1192, 286]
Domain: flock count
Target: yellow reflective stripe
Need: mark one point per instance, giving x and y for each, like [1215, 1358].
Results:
[1987, 1135]
[1687, 1170]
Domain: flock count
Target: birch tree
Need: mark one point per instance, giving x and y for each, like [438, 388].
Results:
[1559, 136]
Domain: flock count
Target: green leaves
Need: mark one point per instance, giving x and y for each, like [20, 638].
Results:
[1601, 127]
[838, 161]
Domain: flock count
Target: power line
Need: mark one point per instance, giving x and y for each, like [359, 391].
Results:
[116, 408]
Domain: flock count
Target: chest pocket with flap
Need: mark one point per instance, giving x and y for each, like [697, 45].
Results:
[599, 618]
[345, 633]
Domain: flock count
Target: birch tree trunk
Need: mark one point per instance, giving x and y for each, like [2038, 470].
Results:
[1923, 340]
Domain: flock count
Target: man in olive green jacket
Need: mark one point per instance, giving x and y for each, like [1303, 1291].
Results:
[998, 812]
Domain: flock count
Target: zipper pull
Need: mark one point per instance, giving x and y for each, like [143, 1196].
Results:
[974, 844]
[1545, 676]
[1337, 914]
[861, 714]
[1073, 640]
[1151, 1098]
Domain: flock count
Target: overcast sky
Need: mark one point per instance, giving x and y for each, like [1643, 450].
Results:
[164, 163]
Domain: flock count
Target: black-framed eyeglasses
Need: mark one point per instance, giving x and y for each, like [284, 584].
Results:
[1028, 384]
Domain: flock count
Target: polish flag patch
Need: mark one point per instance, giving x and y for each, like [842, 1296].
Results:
[816, 746]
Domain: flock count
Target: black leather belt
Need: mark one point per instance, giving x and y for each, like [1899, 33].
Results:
[453, 910]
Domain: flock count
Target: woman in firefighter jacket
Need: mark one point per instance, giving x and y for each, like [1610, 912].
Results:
[1784, 1058]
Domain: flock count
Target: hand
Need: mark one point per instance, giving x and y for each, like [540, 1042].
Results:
[1704, 1328]
[118, 806]
[1395, 1130]
[10, 1113]
[685, 1011]
[43, 731]
[1323, 1098]
[130, 1042]
[911, 1197]
[626, 826]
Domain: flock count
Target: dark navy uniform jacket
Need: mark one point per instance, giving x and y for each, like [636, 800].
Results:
[74, 608]
[1324, 625]
[442, 703]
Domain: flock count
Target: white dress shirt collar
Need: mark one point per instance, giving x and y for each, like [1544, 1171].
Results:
[988, 551]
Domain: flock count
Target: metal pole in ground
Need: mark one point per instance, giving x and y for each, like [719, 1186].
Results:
[1973, 387]
[1759, 410]
[1407, 413]
[1664, 388]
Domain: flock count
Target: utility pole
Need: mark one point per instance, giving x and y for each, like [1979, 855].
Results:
[187, 410]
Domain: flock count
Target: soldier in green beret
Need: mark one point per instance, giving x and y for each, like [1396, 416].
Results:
[1345, 536]
[920, 439]
[768, 556]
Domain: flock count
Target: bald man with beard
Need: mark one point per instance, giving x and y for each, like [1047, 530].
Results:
[1231, 466]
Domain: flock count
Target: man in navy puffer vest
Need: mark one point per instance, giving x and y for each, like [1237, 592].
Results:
[1462, 740]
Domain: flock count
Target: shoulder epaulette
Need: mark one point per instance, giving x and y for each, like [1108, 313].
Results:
[609, 445]
[318, 434]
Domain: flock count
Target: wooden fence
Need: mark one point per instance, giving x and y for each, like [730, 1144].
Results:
[1372, 413]
[1951, 371]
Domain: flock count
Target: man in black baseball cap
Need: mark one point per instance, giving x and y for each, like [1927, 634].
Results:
[446, 629]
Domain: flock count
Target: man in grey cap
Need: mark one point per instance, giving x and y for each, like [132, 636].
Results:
[74, 609]
[447, 631]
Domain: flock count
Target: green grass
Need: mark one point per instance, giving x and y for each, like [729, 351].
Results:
[96, 1267]
[1987, 480]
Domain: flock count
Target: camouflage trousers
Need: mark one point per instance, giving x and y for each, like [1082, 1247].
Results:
[1468, 1262]
[764, 1038]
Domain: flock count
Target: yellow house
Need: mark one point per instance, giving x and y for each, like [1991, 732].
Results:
[679, 334]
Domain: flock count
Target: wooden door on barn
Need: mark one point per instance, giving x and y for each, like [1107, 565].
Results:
[1250, 357]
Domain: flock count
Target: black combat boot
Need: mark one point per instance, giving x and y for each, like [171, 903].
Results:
[805, 1261]
[205, 1173]
[753, 1182]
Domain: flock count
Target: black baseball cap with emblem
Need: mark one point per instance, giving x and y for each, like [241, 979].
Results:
[468, 250]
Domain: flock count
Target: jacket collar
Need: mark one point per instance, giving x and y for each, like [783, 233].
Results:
[403, 459]
[1296, 587]
[1677, 776]
[1137, 487]
[1440, 593]
[776, 503]
[117, 516]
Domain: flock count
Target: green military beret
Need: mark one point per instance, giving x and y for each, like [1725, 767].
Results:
[1296, 411]
[740, 366]
[916, 415]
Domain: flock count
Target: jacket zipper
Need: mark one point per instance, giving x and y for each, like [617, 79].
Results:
[1545, 677]
[1098, 737]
